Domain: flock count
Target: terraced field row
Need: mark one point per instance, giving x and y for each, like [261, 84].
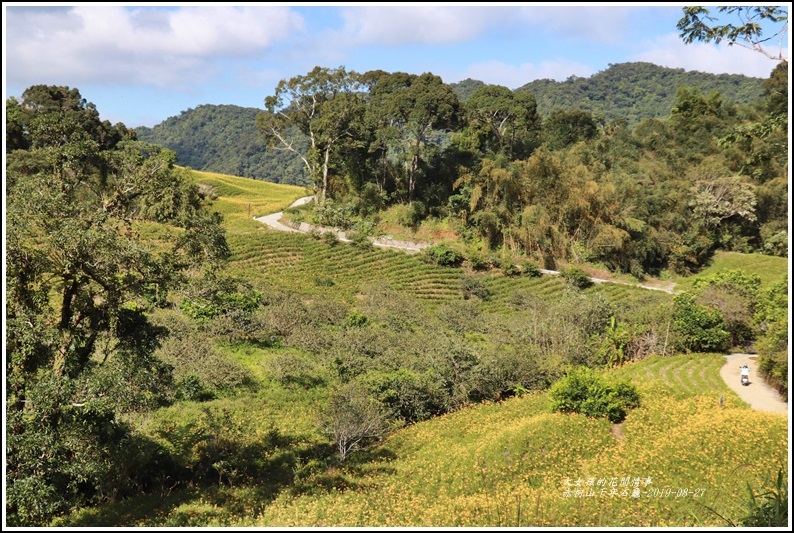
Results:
[685, 374]
[304, 264]
[502, 288]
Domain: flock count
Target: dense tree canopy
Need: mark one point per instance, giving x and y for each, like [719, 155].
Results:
[225, 139]
[636, 91]
[80, 277]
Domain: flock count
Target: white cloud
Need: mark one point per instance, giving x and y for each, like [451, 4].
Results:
[670, 51]
[514, 76]
[586, 23]
[392, 25]
[158, 47]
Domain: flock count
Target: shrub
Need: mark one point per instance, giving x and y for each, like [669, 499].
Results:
[292, 369]
[510, 269]
[410, 396]
[531, 270]
[359, 239]
[584, 391]
[474, 286]
[211, 296]
[334, 215]
[477, 260]
[323, 281]
[697, 327]
[413, 214]
[198, 366]
[192, 389]
[371, 199]
[577, 277]
[356, 319]
[330, 238]
[442, 255]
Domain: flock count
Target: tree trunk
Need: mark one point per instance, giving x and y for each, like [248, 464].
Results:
[325, 174]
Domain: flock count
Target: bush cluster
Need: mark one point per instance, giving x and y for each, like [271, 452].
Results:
[584, 391]
[443, 255]
[577, 277]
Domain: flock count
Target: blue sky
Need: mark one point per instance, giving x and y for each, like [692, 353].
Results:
[142, 63]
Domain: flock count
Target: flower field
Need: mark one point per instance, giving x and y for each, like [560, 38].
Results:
[681, 460]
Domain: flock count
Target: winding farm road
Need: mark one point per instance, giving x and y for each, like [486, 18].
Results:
[758, 394]
[273, 220]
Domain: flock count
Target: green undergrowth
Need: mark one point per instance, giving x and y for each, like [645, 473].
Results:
[504, 463]
[768, 268]
[676, 460]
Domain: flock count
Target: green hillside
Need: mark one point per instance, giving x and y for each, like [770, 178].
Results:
[224, 138]
[637, 91]
[507, 464]
[673, 461]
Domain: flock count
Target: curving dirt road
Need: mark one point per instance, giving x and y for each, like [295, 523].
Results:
[758, 394]
[273, 219]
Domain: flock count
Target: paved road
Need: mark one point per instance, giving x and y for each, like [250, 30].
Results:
[758, 394]
[272, 219]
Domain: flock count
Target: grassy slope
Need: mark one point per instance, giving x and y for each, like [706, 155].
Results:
[509, 463]
[241, 199]
[491, 464]
[769, 268]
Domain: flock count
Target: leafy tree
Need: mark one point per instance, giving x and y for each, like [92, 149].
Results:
[324, 107]
[565, 127]
[763, 141]
[698, 25]
[80, 279]
[717, 200]
[503, 119]
[772, 320]
[408, 109]
[733, 293]
[698, 328]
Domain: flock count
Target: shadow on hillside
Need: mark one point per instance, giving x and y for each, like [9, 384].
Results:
[218, 497]
[319, 476]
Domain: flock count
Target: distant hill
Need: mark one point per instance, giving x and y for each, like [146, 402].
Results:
[464, 89]
[224, 139]
[636, 91]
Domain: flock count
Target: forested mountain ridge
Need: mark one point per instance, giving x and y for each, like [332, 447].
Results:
[636, 91]
[224, 138]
